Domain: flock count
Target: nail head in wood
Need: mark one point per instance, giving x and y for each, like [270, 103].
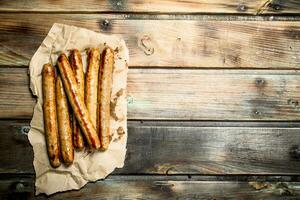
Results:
[25, 129]
[130, 100]
[295, 152]
[259, 82]
[256, 112]
[105, 24]
[119, 3]
[20, 187]
[241, 7]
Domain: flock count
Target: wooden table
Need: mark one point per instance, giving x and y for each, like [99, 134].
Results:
[213, 96]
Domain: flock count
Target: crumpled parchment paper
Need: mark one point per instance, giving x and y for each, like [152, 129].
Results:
[87, 166]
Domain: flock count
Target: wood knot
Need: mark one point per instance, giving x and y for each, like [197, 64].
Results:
[275, 6]
[278, 188]
[117, 5]
[145, 44]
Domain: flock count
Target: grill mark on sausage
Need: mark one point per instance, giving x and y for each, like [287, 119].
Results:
[62, 59]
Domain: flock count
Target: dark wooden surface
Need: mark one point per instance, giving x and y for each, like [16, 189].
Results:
[168, 148]
[213, 96]
[159, 187]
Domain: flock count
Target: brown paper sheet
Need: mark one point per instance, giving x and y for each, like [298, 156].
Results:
[87, 166]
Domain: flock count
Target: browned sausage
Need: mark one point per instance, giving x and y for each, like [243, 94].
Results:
[104, 95]
[77, 103]
[76, 64]
[64, 124]
[91, 83]
[50, 114]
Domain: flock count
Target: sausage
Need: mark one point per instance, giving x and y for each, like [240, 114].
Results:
[104, 95]
[64, 124]
[91, 83]
[77, 103]
[76, 64]
[50, 115]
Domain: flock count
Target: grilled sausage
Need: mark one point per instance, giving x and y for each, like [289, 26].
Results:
[77, 103]
[50, 115]
[76, 64]
[91, 83]
[64, 124]
[104, 95]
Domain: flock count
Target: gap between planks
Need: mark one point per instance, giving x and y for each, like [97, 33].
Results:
[172, 16]
[149, 188]
[180, 177]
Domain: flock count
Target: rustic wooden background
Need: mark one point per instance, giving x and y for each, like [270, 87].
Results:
[213, 96]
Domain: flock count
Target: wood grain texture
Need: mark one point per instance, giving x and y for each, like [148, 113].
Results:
[15, 146]
[154, 6]
[168, 149]
[166, 43]
[280, 7]
[16, 99]
[171, 94]
[145, 187]
[213, 94]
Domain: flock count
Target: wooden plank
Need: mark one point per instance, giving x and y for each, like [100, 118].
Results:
[166, 149]
[16, 99]
[213, 94]
[156, 6]
[166, 43]
[12, 133]
[145, 187]
[170, 94]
